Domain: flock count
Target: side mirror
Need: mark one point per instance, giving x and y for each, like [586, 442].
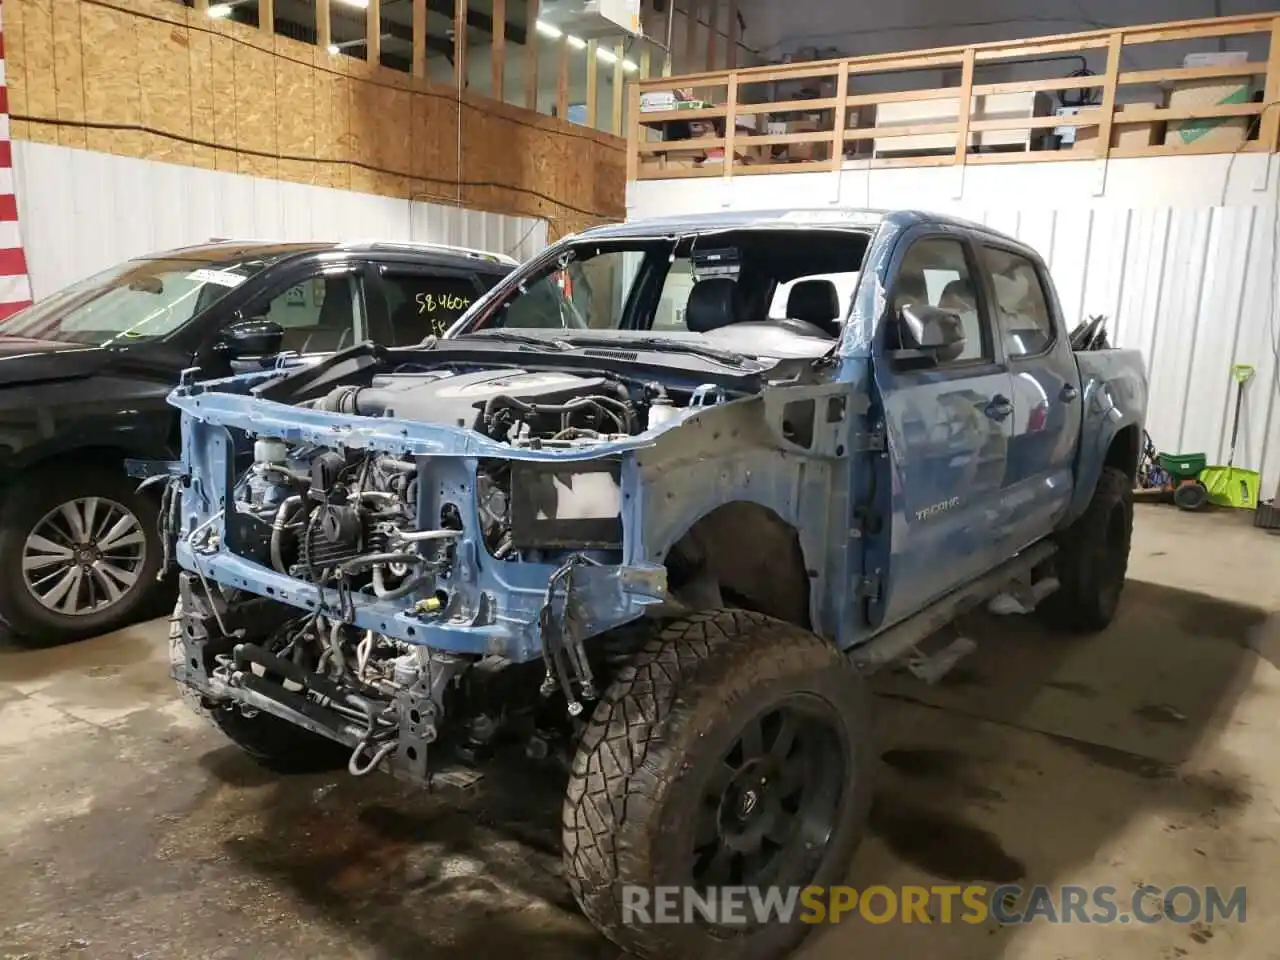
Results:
[931, 331]
[254, 337]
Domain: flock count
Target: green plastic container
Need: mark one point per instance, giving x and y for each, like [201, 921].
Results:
[1182, 466]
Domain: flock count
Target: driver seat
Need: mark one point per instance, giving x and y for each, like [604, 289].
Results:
[816, 302]
[713, 303]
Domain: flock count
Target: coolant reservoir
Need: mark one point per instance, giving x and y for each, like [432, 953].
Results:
[661, 411]
[269, 450]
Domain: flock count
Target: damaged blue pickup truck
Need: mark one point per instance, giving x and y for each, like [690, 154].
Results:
[652, 508]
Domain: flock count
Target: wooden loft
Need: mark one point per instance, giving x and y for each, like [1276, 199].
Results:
[860, 111]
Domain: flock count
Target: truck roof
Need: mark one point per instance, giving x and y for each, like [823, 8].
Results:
[819, 218]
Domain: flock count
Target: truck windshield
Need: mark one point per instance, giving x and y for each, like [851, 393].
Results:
[791, 280]
[132, 301]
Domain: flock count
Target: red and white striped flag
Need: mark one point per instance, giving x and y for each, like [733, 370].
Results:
[15, 285]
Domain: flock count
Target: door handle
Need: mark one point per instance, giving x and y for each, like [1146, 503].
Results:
[998, 408]
[1069, 393]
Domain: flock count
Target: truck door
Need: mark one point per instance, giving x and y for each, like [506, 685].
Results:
[948, 426]
[1045, 426]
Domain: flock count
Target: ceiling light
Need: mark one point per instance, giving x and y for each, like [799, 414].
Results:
[630, 66]
[548, 30]
[220, 11]
[576, 42]
[334, 49]
[605, 54]
[362, 4]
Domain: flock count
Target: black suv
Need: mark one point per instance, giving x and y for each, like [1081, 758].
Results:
[84, 375]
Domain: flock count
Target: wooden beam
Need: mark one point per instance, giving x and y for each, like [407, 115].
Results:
[562, 83]
[324, 23]
[964, 105]
[712, 37]
[499, 52]
[690, 33]
[646, 62]
[373, 32]
[419, 37]
[1269, 125]
[531, 56]
[202, 6]
[840, 122]
[267, 16]
[619, 88]
[459, 44]
[633, 133]
[730, 125]
[1108, 106]
[731, 55]
[593, 83]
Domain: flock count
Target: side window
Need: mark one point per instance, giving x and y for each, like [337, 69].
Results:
[421, 305]
[318, 315]
[1022, 310]
[936, 272]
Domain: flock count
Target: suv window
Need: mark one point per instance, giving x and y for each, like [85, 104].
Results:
[1022, 311]
[318, 315]
[936, 272]
[421, 304]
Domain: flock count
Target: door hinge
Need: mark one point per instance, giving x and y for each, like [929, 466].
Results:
[870, 441]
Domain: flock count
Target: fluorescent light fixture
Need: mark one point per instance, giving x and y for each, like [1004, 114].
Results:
[605, 54]
[334, 49]
[220, 11]
[630, 66]
[576, 42]
[362, 4]
[547, 29]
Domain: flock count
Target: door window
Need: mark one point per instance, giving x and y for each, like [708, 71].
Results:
[1022, 310]
[935, 272]
[318, 315]
[422, 305]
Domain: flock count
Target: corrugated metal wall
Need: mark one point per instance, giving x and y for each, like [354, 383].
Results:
[82, 211]
[1180, 254]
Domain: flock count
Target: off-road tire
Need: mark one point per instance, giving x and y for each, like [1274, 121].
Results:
[639, 767]
[1093, 557]
[31, 498]
[274, 743]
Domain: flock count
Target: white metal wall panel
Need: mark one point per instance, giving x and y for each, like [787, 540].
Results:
[82, 211]
[1180, 253]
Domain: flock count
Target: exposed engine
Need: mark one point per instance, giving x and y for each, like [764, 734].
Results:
[547, 409]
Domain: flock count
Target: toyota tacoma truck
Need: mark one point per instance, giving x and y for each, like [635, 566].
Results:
[653, 507]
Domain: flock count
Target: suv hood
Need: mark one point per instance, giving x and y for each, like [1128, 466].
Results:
[24, 360]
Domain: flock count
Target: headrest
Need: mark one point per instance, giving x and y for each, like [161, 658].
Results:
[910, 288]
[958, 290]
[713, 303]
[814, 301]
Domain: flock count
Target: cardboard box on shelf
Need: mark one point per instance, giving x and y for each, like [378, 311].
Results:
[1217, 132]
[1123, 136]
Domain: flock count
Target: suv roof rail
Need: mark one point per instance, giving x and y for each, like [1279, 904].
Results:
[428, 245]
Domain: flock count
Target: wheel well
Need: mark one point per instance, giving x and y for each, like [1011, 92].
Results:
[77, 457]
[1123, 453]
[753, 556]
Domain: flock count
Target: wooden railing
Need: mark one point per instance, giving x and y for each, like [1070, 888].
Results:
[871, 111]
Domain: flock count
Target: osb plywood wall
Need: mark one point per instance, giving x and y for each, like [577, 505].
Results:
[152, 79]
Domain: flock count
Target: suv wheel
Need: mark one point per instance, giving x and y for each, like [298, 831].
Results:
[84, 554]
[733, 751]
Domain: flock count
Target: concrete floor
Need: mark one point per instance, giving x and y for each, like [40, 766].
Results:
[130, 830]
